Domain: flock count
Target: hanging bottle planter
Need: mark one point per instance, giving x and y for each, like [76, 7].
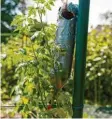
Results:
[65, 37]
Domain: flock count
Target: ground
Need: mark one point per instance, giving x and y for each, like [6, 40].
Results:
[89, 111]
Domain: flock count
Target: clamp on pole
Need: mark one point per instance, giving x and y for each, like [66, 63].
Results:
[78, 107]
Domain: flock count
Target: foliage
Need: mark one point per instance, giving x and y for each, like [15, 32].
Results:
[12, 55]
[9, 8]
[36, 93]
[7, 12]
[99, 65]
[28, 65]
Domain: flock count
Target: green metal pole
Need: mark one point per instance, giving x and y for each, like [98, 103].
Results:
[80, 58]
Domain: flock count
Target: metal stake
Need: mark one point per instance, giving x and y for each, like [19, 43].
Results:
[80, 58]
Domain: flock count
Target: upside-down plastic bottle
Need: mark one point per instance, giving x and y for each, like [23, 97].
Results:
[65, 37]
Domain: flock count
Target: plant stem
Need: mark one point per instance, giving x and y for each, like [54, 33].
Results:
[95, 90]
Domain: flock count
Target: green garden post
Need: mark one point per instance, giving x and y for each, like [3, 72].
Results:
[80, 58]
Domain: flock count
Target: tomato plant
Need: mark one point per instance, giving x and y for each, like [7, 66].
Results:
[38, 95]
[29, 61]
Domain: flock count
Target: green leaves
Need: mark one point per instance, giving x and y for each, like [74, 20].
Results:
[45, 4]
[34, 70]
[48, 6]
[34, 59]
[40, 1]
[18, 21]
[32, 11]
[99, 63]
[23, 51]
